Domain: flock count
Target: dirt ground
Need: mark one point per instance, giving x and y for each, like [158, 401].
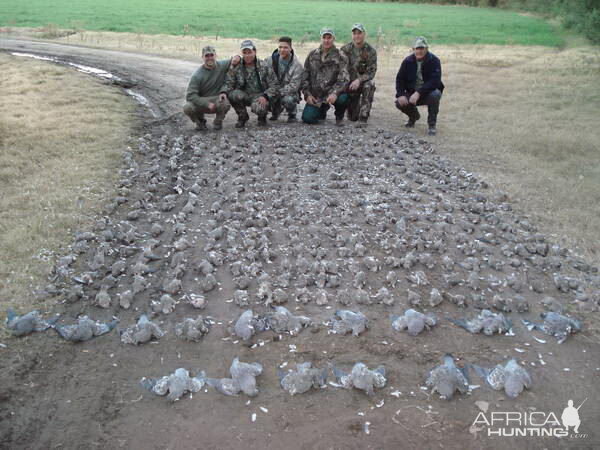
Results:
[295, 190]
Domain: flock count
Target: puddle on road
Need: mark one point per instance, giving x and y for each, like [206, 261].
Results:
[92, 71]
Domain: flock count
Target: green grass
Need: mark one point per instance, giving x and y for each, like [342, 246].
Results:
[269, 18]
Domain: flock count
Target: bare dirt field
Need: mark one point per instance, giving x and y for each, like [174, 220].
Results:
[348, 201]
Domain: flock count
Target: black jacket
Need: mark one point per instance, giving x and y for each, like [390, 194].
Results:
[407, 76]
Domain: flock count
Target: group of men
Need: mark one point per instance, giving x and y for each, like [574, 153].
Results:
[330, 76]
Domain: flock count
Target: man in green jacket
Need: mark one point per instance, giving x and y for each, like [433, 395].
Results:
[325, 80]
[202, 95]
[362, 67]
[252, 83]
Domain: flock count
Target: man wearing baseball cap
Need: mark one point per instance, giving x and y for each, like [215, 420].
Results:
[362, 67]
[325, 81]
[202, 95]
[419, 82]
[253, 83]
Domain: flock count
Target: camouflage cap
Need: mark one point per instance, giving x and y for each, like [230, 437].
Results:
[421, 42]
[247, 44]
[208, 49]
[359, 27]
[326, 30]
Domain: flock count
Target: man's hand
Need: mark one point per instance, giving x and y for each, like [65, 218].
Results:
[212, 107]
[402, 101]
[222, 97]
[263, 101]
[235, 60]
[414, 98]
[332, 99]
[311, 100]
[354, 85]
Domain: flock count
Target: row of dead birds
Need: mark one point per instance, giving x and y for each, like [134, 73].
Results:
[281, 320]
[445, 379]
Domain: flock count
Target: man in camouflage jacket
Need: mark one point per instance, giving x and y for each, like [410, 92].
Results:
[289, 72]
[325, 81]
[362, 67]
[252, 83]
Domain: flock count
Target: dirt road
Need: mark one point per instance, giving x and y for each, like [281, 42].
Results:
[335, 219]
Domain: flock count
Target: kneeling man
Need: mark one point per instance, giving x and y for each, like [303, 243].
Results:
[289, 72]
[419, 82]
[202, 95]
[252, 83]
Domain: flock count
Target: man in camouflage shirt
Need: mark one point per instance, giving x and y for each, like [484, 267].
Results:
[202, 96]
[289, 74]
[362, 66]
[253, 83]
[325, 80]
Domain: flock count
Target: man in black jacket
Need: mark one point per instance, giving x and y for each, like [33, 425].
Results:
[419, 82]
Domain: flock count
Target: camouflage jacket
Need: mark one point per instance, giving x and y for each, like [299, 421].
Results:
[290, 81]
[325, 74]
[259, 79]
[362, 62]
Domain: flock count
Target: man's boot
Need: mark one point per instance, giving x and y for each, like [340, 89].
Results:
[412, 120]
[291, 118]
[242, 119]
[339, 121]
[432, 130]
[262, 121]
[217, 124]
[362, 122]
[201, 125]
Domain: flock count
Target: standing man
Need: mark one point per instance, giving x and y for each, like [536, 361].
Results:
[202, 95]
[253, 83]
[325, 80]
[289, 72]
[362, 67]
[419, 82]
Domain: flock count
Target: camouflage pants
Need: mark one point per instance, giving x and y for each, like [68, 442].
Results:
[196, 110]
[240, 100]
[361, 100]
[287, 102]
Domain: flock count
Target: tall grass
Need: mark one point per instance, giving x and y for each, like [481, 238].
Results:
[398, 22]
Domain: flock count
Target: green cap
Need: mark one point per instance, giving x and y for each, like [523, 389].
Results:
[359, 27]
[421, 42]
[208, 49]
[327, 31]
[247, 44]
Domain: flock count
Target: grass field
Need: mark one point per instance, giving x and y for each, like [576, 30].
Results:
[394, 23]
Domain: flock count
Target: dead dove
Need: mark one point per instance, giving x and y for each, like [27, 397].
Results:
[362, 378]
[140, 333]
[176, 384]
[345, 321]
[447, 378]
[165, 305]
[511, 376]
[413, 321]
[248, 325]
[27, 323]
[302, 379]
[192, 329]
[281, 320]
[243, 379]
[556, 325]
[84, 330]
[486, 322]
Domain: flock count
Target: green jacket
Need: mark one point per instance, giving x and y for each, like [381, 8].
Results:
[325, 74]
[259, 79]
[362, 62]
[207, 83]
